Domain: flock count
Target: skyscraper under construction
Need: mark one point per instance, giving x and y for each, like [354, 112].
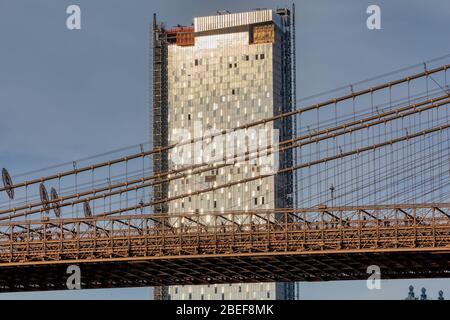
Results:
[224, 71]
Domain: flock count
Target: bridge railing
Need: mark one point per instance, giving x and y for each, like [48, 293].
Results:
[296, 231]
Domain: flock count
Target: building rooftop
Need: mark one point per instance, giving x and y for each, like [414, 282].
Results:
[228, 20]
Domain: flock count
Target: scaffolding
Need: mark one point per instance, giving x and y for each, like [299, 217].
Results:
[285, 182]
[160, 124]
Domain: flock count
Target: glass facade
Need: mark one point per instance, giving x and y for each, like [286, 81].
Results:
[220, 83]
[222, 80]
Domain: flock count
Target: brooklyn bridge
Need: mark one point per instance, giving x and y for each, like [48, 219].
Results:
[371, 171]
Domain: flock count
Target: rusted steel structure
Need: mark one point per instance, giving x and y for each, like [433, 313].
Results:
[284, 245]
[119, 243]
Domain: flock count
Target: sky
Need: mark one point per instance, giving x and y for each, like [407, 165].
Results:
[68, 94]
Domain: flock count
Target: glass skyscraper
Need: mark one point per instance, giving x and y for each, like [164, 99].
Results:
[224, 71]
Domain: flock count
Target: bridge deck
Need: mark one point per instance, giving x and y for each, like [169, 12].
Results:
[405, 241]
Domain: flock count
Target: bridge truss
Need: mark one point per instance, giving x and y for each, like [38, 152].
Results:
[282, 245]
[373, 183]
